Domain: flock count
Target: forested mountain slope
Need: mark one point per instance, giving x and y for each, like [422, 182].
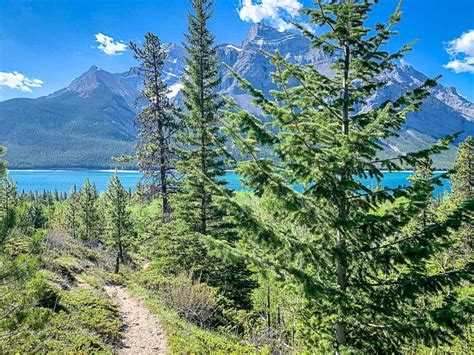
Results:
[82, 125]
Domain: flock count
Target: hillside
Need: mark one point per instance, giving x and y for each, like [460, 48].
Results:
[91, 120]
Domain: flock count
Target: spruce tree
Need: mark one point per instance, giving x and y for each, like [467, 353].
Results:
[462, 181]
[119, 221]
[423, 179]
[462, 177]
[157, 121]
[8, 203]
[34, 216]
[3, 164]
[89, 219]
[18, 266]
[202, 155]
[8, 196]
[337, 241]
[202, 163]
[72, 213]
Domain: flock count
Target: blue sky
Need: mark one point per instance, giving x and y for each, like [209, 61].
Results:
[46, 43]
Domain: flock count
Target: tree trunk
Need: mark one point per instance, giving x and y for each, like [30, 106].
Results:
[203, 143]
[269, 316]
[117, 263]
[203, 191]
[163, 178]
[341, 326]
[74, 222]
[120, 252]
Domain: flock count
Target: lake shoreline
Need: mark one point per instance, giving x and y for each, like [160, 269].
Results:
[65, 179]
[138, 171]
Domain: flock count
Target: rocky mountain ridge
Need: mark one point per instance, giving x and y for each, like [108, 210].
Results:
[99, 106]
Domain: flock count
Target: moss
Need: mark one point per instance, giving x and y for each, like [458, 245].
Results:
[52, 277]
[111, 278]
[66, 333]
[85, 322]
[49, 296]
[93, 312]
[88, 254]
[67, 266]
[90, 280]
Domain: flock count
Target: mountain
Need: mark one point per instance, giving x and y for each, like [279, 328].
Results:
[82, 125]
[91, 120]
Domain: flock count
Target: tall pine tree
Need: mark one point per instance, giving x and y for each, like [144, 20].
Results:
[8, 196]
[119, 221]
[339, 242]
[462, 181]
[19, 262]
[462, 177]
[88, 214]
[422, 178]
[202, 162]
[202, 156]
[157, 121]
[3, 165]
[72, 212]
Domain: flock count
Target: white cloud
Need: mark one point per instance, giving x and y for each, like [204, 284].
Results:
[174, 90]
[461, 51]
[461, 66]
[16, 80]
[109, 46]
[276, 12]
[463, 44]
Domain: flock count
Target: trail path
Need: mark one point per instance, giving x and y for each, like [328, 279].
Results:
[142, 334]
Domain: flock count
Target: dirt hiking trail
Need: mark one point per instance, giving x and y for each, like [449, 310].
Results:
[142, 334]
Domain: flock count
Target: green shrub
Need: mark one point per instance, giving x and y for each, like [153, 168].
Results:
[94, 312]
[184, 337]
[84, 322]
[191, 299]
[67, 266]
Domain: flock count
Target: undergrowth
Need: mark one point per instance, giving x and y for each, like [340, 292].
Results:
[183, 337]
[72, 313]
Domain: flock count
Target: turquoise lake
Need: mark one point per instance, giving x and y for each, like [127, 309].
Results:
[64, 180]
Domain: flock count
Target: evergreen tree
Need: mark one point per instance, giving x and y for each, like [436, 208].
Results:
[3, 164]
[462, 181]
[7, 195]
[202, 156]
[33, 215]
[8, 202]
[57, 198]
[336, 240]
[88, 213]
[119, 221]
[157, 121]
[72, 213]
[18, 263]
[423, 180]
[462, 178]
[202, 165]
